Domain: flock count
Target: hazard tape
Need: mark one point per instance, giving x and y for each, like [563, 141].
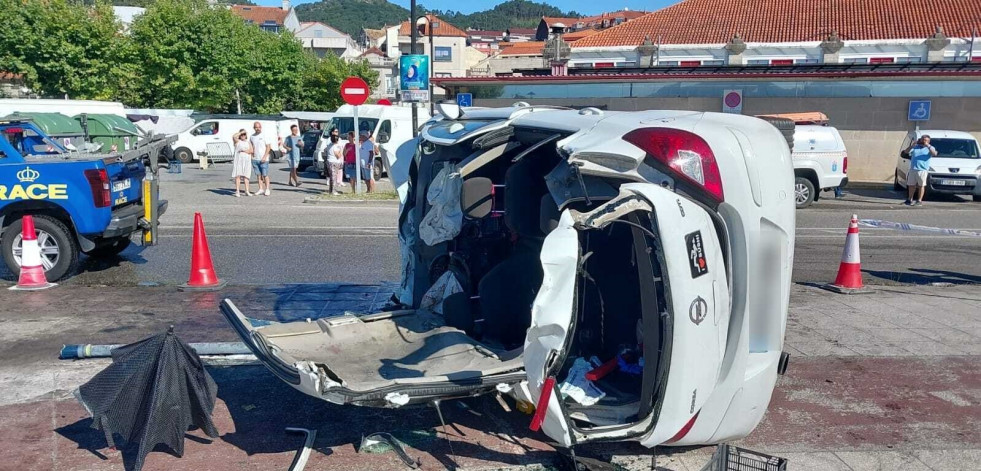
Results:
[899, 226]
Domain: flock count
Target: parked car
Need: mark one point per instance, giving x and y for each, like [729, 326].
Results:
[820, 162]
[534, 239]
[956, 170]
[212, 134]
[310, 139]
[390, 126]
[88, 203]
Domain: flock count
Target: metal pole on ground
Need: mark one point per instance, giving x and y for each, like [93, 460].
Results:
[357, 153]
[413, 35]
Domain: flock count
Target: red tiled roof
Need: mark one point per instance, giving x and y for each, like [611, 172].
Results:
[526, 48]
[372, 50]
[10, 76]
[442, 29]
[715, 22]
[260, 15]
[577, 35]
[625, 14]
[568, 22]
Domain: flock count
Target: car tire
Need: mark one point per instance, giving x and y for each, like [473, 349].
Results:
[275, 156]
[785, 126]
[302, 167]
[184, 155]
[803, 192]
[59, 237]
[378, 169]
[110, 247]
[895, 182]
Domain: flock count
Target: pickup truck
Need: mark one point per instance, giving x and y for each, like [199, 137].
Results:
[88, 203]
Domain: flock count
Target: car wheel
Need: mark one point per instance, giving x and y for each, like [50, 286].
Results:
[377, 169]
[275, 156]
[110, 247]
[803, 192]
[895, 182]
[184, 155]
[59, 249]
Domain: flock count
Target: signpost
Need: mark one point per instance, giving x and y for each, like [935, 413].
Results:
[919, 110]
[732, 101]
[355, 92]
[414, 78]
[464, 99]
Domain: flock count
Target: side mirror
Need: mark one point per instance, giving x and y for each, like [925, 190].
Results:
[383, 137]
[476, 197]
[904, 154]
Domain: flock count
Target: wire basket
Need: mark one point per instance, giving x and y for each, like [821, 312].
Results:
[733, 458]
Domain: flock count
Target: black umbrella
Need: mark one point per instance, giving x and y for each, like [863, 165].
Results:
[152, 393]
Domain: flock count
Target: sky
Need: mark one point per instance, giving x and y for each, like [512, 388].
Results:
[586, 7]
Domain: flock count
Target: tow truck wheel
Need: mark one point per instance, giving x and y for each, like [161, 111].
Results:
[110, 247]
[184, 155]
[378, 169]
[804, 193]
[59, 249]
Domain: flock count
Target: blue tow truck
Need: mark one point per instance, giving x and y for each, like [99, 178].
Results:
[81, 202]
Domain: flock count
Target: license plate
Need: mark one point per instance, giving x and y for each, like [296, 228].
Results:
[121, 185]
[120, 201]
[948, 182]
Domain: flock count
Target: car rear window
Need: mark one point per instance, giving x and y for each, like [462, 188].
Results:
[955, 148]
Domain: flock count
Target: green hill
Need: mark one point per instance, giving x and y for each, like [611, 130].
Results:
[350, 16]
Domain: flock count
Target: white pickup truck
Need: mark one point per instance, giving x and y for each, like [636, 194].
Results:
[819, 155]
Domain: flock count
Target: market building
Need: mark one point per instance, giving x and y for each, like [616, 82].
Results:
[859, 62]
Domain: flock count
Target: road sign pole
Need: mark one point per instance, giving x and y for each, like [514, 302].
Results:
[357, 153]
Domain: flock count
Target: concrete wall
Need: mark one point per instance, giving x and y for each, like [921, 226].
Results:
[873, 128]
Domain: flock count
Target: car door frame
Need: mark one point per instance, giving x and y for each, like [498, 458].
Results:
[903, 163]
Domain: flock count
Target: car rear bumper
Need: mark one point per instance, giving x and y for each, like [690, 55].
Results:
[941, 183]
[126, 220]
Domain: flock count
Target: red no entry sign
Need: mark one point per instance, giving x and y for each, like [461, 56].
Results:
[354, 91]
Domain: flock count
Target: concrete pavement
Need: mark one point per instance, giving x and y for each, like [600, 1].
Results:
[890, 380]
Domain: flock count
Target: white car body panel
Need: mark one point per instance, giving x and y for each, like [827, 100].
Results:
[821, 149]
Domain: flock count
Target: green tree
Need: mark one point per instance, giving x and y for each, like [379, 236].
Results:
[61, 47]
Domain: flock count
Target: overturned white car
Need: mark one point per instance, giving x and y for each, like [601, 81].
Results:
[634, 266]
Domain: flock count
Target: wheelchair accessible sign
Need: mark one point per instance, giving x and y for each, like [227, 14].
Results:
[919, 110]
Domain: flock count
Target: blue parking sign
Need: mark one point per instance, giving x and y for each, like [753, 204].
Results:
[919, 110]
[464, 99]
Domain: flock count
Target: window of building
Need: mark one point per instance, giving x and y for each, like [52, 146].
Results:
[805, 61]
[713, 62]
[627, 64]
[690, 63]
[668, 63]
[619, 20]
[758, 62]
[443, 54]
[882, 60]
[855, 60]
[781, 62]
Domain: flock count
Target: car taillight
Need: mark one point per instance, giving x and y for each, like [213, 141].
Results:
[684, 430]
[99, 184]
[686, 154]
[844, 164]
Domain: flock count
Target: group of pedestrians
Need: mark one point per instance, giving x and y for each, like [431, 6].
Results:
[252, 154]
[341, 160]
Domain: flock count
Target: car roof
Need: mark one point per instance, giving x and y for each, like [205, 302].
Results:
[943, 133]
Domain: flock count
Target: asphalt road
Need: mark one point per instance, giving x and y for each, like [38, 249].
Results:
[280, 239]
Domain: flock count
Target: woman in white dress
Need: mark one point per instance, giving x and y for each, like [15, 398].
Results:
[242, 162]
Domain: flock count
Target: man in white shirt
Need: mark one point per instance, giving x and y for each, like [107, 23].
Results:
[260, 158]
[367, 154]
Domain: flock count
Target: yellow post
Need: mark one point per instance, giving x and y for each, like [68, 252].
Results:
[147, 211]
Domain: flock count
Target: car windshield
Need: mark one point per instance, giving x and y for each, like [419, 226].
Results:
[346, 125]
[956, 148]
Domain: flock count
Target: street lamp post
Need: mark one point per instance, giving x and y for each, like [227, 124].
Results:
[412, 50]
[432, 59]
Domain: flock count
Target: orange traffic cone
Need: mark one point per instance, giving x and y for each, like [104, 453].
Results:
[32, 276]
[203, 277]
[849, 279]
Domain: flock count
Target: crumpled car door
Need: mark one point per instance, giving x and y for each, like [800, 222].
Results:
[698, 310]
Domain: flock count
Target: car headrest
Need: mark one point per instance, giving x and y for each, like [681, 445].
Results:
[476, 197]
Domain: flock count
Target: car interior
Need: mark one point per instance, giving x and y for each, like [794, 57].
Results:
[508, 210]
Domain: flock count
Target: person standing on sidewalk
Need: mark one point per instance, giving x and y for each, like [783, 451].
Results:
[367, 155]
[919, 169]
[241, 167]
[293, 143]
[334, 163]
[260, 158]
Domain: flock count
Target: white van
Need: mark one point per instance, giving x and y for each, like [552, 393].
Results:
[956, 170]
[390, 126]
[820, 162]
[212, 135]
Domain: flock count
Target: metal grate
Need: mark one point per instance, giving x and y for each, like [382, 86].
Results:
[733, 458]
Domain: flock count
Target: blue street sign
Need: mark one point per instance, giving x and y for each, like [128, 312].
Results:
[919, 110]
[464, 99]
